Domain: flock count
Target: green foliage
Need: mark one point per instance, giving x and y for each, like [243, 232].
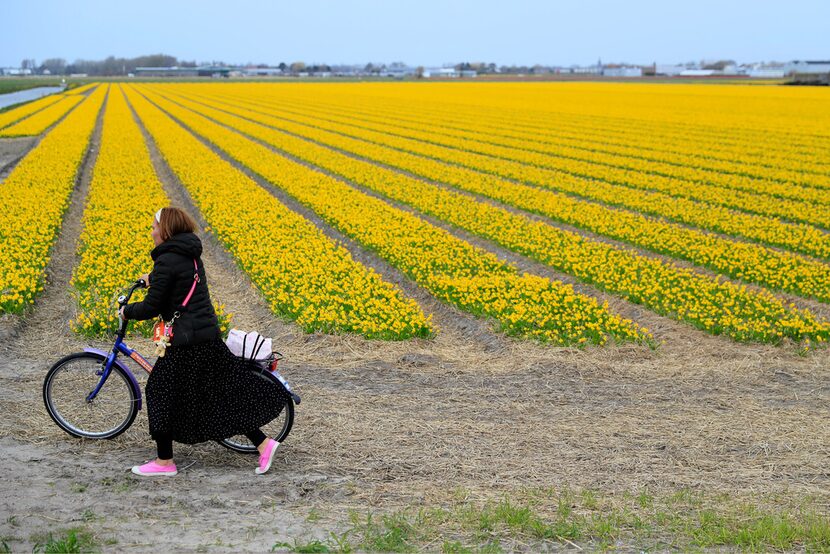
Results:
[684, 520]
[72, 540]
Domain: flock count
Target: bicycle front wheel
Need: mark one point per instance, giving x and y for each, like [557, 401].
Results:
[277, 429]
[69, 383]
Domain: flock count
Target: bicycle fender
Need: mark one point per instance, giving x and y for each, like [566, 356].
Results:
[127, 372]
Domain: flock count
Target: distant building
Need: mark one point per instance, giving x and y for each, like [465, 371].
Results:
[15, 71]
[622, 71]
[668, 70]
[699, 72]
[808, 67]
[440, 72]
[261, 71]
[398, 72]
[587, 70]
[765, 73]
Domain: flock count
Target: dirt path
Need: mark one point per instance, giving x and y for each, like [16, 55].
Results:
[388, 425]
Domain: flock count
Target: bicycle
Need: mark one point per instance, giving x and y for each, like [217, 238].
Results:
[82, 391]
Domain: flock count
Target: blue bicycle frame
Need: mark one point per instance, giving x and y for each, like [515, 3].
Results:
[121, 347]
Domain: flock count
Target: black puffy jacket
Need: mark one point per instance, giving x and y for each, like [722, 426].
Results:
[170, 282]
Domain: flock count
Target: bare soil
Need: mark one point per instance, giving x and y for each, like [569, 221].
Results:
[12, 151]
[385, 425]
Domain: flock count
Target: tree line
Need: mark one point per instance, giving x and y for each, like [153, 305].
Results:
[107, 67]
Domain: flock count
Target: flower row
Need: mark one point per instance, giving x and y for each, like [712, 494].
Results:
[18, 113]
[37, 123]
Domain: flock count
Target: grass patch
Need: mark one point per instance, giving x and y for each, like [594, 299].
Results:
[8, 85]
[543, 519]
[76, 539]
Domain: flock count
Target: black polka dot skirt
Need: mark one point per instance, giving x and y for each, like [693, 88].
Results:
[203, 392]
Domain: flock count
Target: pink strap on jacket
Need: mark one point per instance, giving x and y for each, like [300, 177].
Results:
[195, 280]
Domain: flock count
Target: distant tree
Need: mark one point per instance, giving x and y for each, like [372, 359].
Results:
[282, 66]
[110, 66]
[419, 72]
[56, 66]
[297, 67]
[28, 63]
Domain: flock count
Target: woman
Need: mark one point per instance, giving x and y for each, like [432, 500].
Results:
[198, 390]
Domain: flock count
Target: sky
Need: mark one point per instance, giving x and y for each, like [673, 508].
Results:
[418, 32]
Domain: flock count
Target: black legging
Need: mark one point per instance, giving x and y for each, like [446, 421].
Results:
[164, 443]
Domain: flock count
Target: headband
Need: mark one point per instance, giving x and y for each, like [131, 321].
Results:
[158, 215]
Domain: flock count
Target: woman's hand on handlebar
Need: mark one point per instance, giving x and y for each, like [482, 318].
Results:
[121, 313]
[146, 279]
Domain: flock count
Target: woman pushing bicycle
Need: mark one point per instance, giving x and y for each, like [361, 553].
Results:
[198, 390]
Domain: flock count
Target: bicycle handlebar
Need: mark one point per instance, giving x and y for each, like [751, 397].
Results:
[125, 298]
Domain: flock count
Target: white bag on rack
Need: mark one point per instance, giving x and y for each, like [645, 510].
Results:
[251, 346]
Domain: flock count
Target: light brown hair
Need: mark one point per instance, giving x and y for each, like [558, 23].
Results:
[173, 221]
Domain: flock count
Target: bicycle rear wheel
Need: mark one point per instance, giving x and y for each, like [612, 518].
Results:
[65, 391]
[277, 429]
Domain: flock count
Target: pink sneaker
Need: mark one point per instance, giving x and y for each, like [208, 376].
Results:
[155, 470]
[267, 456]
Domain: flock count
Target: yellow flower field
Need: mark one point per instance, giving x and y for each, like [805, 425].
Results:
[516, 162]
[83, 89]
[787, 177]
[37, 191]
[705, 302]
[799, 237]
[709, 205]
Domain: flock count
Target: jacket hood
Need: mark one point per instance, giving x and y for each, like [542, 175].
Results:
[186, 244]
